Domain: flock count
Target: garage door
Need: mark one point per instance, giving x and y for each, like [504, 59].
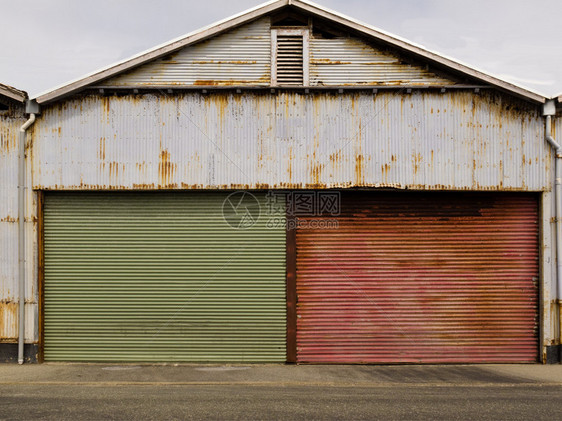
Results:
[162, 277]
[419, 278]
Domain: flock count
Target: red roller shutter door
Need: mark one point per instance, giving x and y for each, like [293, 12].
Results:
[420, 277]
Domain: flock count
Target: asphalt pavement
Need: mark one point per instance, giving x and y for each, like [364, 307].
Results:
[242, 392]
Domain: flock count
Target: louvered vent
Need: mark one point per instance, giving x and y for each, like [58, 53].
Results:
[290, 60]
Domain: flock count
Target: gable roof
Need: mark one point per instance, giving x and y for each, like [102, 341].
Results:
[12, 93]
[272, 6]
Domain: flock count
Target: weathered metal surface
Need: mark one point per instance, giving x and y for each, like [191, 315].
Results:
[423, 140]
[162, 277]
[308, 10]
[12, 93]
[421, 277]
[239, 57]
[10, 122]
[243, 56]
[351, 61]
[9, 311]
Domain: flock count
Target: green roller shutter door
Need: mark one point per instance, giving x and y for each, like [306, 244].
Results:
[161, 277]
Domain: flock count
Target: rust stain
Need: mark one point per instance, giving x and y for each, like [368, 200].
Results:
[113, 169]
[230, 82]
[501, 174]
[328, 61]
[290, 164]
[335, 158]
[105, 104]
[316, 173]
[224, 62]
[221, 103]
[141, 167]
[169, 186]
[143, 186]
[9, 219]
[359, 168]
[32, 219]
[385, 170]
[102, 148]
[417, 159]
[166, 169]
[8, 320]
[315, 165]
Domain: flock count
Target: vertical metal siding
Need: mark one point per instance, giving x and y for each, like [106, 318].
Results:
[10, 122]
[160, 277]
[351, 61]
[239, 57]
[433, 278]
[456, 140]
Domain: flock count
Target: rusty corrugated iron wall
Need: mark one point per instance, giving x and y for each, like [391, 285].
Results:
[457, 140]
[239, 57]
[10, 122]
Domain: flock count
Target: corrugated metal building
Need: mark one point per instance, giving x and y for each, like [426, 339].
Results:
[290, 185]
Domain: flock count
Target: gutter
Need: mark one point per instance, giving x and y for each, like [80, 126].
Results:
[21, 233]
[549, 109]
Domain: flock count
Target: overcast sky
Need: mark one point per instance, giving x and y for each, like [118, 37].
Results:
[49, 42]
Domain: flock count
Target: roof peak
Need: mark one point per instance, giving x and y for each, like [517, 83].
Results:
[265, 9]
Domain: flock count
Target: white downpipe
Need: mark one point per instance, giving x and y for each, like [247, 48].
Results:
[558, 212]
[21, 235]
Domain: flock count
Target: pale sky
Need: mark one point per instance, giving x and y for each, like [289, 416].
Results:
[45, 43]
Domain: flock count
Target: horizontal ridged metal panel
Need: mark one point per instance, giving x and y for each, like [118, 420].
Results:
[160, 277]
[239, 57]
[424, 140]
[10, 122]
[421, 277]
[350, 61]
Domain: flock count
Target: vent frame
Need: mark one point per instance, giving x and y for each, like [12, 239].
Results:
[305, 34]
